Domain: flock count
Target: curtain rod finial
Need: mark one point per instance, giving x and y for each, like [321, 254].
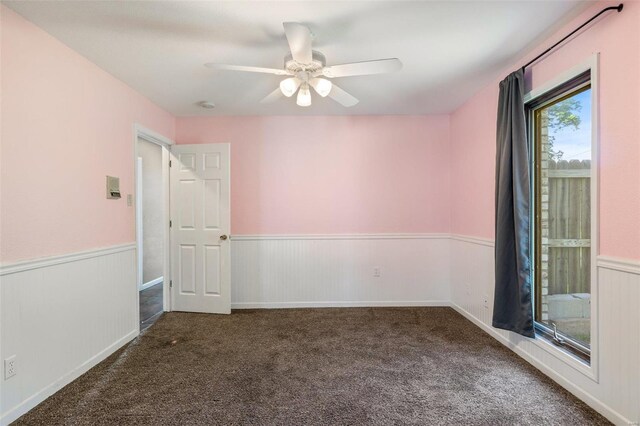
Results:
[620, 6]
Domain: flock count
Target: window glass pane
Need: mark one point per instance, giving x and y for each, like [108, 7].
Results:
[564, 216]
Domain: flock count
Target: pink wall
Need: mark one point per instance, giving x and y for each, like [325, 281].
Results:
[333, 174]
[617, 38]
[65, 125]
[317, 175]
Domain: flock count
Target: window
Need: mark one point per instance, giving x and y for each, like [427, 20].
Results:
[561, 153]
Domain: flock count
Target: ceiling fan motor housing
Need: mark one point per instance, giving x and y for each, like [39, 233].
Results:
[317, 63]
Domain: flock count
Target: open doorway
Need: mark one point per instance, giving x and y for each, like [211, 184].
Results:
[151, 166]
[150, 232]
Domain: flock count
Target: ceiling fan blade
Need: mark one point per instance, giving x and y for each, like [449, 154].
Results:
[378, 66]
[342, 97]
[299, 38]
[226, 67]
[272, 97]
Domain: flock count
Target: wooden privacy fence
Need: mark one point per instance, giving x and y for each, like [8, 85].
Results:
[569, 226]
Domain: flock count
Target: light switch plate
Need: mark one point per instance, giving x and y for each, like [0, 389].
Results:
[129, 200]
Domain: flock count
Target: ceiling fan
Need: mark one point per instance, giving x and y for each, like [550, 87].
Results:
[306, 68]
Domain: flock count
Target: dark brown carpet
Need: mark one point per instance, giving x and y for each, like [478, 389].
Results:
[426, 366]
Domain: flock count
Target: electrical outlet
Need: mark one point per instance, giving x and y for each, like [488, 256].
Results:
[10, 367]
[486, 301]
[376, 272]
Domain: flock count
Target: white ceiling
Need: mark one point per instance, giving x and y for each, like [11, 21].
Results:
[450, 49]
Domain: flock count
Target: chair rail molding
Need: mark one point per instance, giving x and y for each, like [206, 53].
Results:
[27, 265]
[387, 236]
[619, 264]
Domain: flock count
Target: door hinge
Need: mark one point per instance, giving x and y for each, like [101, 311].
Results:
[170, 224]
[170, 283]
[169, 163]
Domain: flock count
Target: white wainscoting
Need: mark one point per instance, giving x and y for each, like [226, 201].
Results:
[615, 391]
[338, 270]
[61, 316]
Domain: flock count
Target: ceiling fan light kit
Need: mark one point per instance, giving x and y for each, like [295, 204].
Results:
[289, 86]
[306, 68]
[304, 96]
[322, 86]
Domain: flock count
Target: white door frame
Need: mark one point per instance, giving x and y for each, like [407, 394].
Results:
[141, 132]
[139, 221]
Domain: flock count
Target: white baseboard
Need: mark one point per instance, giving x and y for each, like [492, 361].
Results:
[54, 387]
[151, 283]
[580, 393]
[339, 304]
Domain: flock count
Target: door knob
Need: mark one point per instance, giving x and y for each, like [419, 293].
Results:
[223, 237]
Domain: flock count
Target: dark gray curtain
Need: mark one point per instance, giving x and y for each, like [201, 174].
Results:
[512, 309]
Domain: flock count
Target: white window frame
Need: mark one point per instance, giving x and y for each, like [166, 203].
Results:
[590, 370]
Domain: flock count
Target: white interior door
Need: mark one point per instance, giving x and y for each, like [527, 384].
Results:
[200, 216]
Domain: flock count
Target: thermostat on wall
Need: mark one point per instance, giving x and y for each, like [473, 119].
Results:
[113, 187]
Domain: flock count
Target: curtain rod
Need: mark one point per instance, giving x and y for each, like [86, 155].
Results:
[618, 8]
